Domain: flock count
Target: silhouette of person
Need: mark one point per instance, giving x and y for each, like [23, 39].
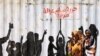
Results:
[38, 43]
[4, 39]
[28, 48]
[10, 48]
[19, 47]
[51, 46]
[94, 32]
[60, 44]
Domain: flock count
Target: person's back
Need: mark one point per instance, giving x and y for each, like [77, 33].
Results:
[60, 50]
[28, 46]
[30, 49]
[50, 50]
[38, 47]
[51, 46]
[18, 49]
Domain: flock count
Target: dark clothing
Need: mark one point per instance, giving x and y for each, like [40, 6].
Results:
[50, 49]
[18, 49]
[24, 49]
[60, 51]
[2, 40]
[38, 47]
[28, 49]
[11, 52]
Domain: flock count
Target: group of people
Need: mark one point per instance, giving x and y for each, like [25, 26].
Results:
[60, 44]
[13, 49]
[32, 47]
[79, 44]
[4, 39]
[83, 43]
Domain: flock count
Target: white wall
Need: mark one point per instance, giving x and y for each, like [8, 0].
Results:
[28, 16]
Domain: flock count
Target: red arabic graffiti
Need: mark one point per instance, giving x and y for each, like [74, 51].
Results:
[61, 13]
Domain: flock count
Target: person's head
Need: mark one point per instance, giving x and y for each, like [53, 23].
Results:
[75, 36]
[18, 45]
[10, 25]
[36, 36]
[51, 38]
[60, 39]
[12, 43]
[30, 36]
[80, 34]
[88, 32]
[92, 27]
[81, 29]
[74, 33]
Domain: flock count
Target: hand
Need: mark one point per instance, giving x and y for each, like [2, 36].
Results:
[60, 32]
[21, 37]
[69, 37]
[10, 25]
[45, 32]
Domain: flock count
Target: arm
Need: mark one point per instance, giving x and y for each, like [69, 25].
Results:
[57, 38]
[24, 48]
[63, 37]
[54, 47]
[21, 39]
[10, 27]
[8, 47]
[45, 32]
[4, 39]
[9, 31]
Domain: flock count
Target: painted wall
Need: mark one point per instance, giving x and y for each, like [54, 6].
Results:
[28, 15]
